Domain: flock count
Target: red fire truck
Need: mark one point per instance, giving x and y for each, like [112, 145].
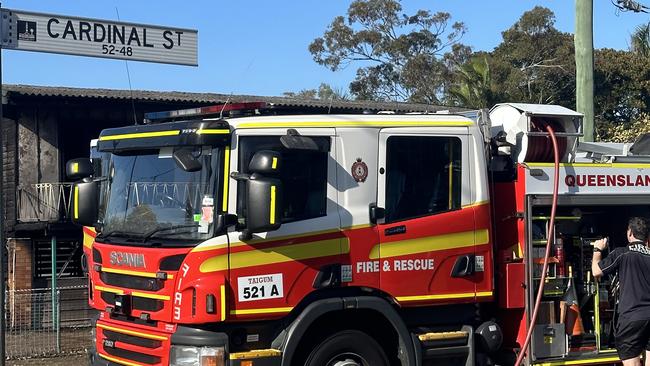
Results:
[339, 240]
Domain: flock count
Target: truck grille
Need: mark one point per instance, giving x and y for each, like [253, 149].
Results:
[133, 345]
[131, 355]
[131, 282]
[138, 303]
[137, 341]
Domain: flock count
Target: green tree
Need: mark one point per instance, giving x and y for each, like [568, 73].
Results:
[535, 62]
[622, 90]
[324, 92]
[302, 94]
[474, 84]
[640, 40]
[402, 55]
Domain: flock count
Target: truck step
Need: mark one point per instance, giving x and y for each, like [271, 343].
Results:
[446, 347]
[435, 336]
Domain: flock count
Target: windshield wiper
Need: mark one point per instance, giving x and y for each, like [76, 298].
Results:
[151, 233]
[127, 234]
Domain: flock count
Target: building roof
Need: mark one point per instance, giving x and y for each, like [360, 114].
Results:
[214, 98]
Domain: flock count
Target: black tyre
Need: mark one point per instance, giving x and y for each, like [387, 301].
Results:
[348, 348]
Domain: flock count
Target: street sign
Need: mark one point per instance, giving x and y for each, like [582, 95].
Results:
[40, 32]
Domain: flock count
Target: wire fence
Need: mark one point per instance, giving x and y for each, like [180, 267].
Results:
[41, 323]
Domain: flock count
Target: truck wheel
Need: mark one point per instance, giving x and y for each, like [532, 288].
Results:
[348, 348]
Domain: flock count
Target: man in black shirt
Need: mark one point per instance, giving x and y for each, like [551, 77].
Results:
[633, 266]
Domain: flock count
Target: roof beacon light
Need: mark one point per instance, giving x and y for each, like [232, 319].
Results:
[202, 111]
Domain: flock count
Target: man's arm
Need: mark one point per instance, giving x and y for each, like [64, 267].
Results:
[598, 256]
[595, 268]
[605, 266]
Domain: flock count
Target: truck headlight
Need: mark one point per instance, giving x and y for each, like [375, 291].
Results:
[197, 356]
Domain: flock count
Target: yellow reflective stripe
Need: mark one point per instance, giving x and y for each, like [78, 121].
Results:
[132, 332]
[134, 273]
[76, 202]
[75, 167]
[212, 131]
[150, 296]
[274, 164]
[589, 361]
[272, 213]
[109, 289]
[287, 253]
[256, 353]
[430, 244]
[475, 204]
[591, 165]
[463, 295]
[134, 293]
[205, 246]
[139, 135]
[88, 239]
[223, 302]
[261, 311]
[414, 123]
[226, 177]
[119, 360]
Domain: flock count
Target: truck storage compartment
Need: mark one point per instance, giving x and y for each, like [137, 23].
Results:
[577, 314]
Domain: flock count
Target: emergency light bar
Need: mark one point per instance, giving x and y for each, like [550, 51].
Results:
[203, 111]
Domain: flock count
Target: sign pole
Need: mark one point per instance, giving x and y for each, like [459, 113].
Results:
[2, 214]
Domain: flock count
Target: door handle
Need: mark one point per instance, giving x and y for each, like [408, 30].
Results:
[395, 230]
[464, 266]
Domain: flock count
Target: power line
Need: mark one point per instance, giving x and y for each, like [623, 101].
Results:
[630, 5]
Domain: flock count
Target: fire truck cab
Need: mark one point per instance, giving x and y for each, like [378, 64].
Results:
[347, 239]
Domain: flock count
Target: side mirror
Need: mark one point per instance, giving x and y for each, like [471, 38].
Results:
[264, 204]
[265, 162]
[77, 169]
[85, 203]
[186, 160]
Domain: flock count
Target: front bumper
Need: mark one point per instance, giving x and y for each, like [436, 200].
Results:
[117, 344]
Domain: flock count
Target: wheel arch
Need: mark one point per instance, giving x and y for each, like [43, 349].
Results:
[290, 338]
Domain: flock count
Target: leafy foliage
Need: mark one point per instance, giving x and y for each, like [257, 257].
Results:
[622, 85]
[640, 40]
[474, 84]
[402, 53]
[623, 131]
[418, 58]
[324, 92]
[535, 62]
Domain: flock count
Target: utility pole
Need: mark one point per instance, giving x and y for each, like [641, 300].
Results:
[584, 49]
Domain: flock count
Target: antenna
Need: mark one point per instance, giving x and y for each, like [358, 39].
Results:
[329, 109]
[224, 106]
[128, 75]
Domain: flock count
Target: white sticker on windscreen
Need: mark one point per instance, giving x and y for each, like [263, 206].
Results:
[260, 287]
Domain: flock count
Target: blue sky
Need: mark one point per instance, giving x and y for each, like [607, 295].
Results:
[260, 47]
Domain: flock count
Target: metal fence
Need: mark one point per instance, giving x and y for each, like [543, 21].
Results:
[40, 324]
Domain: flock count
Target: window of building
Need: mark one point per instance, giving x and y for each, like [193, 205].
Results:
[303, 174]
[423, 176]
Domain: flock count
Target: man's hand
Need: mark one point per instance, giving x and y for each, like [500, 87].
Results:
[600, 244]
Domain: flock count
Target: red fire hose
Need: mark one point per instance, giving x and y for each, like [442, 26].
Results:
[540, 289]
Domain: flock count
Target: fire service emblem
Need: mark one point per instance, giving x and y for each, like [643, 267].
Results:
[359, 170]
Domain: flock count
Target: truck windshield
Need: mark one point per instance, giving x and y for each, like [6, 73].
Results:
[150, 196]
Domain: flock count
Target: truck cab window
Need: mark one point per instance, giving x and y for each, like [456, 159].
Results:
[423, 176]
[303, 174]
